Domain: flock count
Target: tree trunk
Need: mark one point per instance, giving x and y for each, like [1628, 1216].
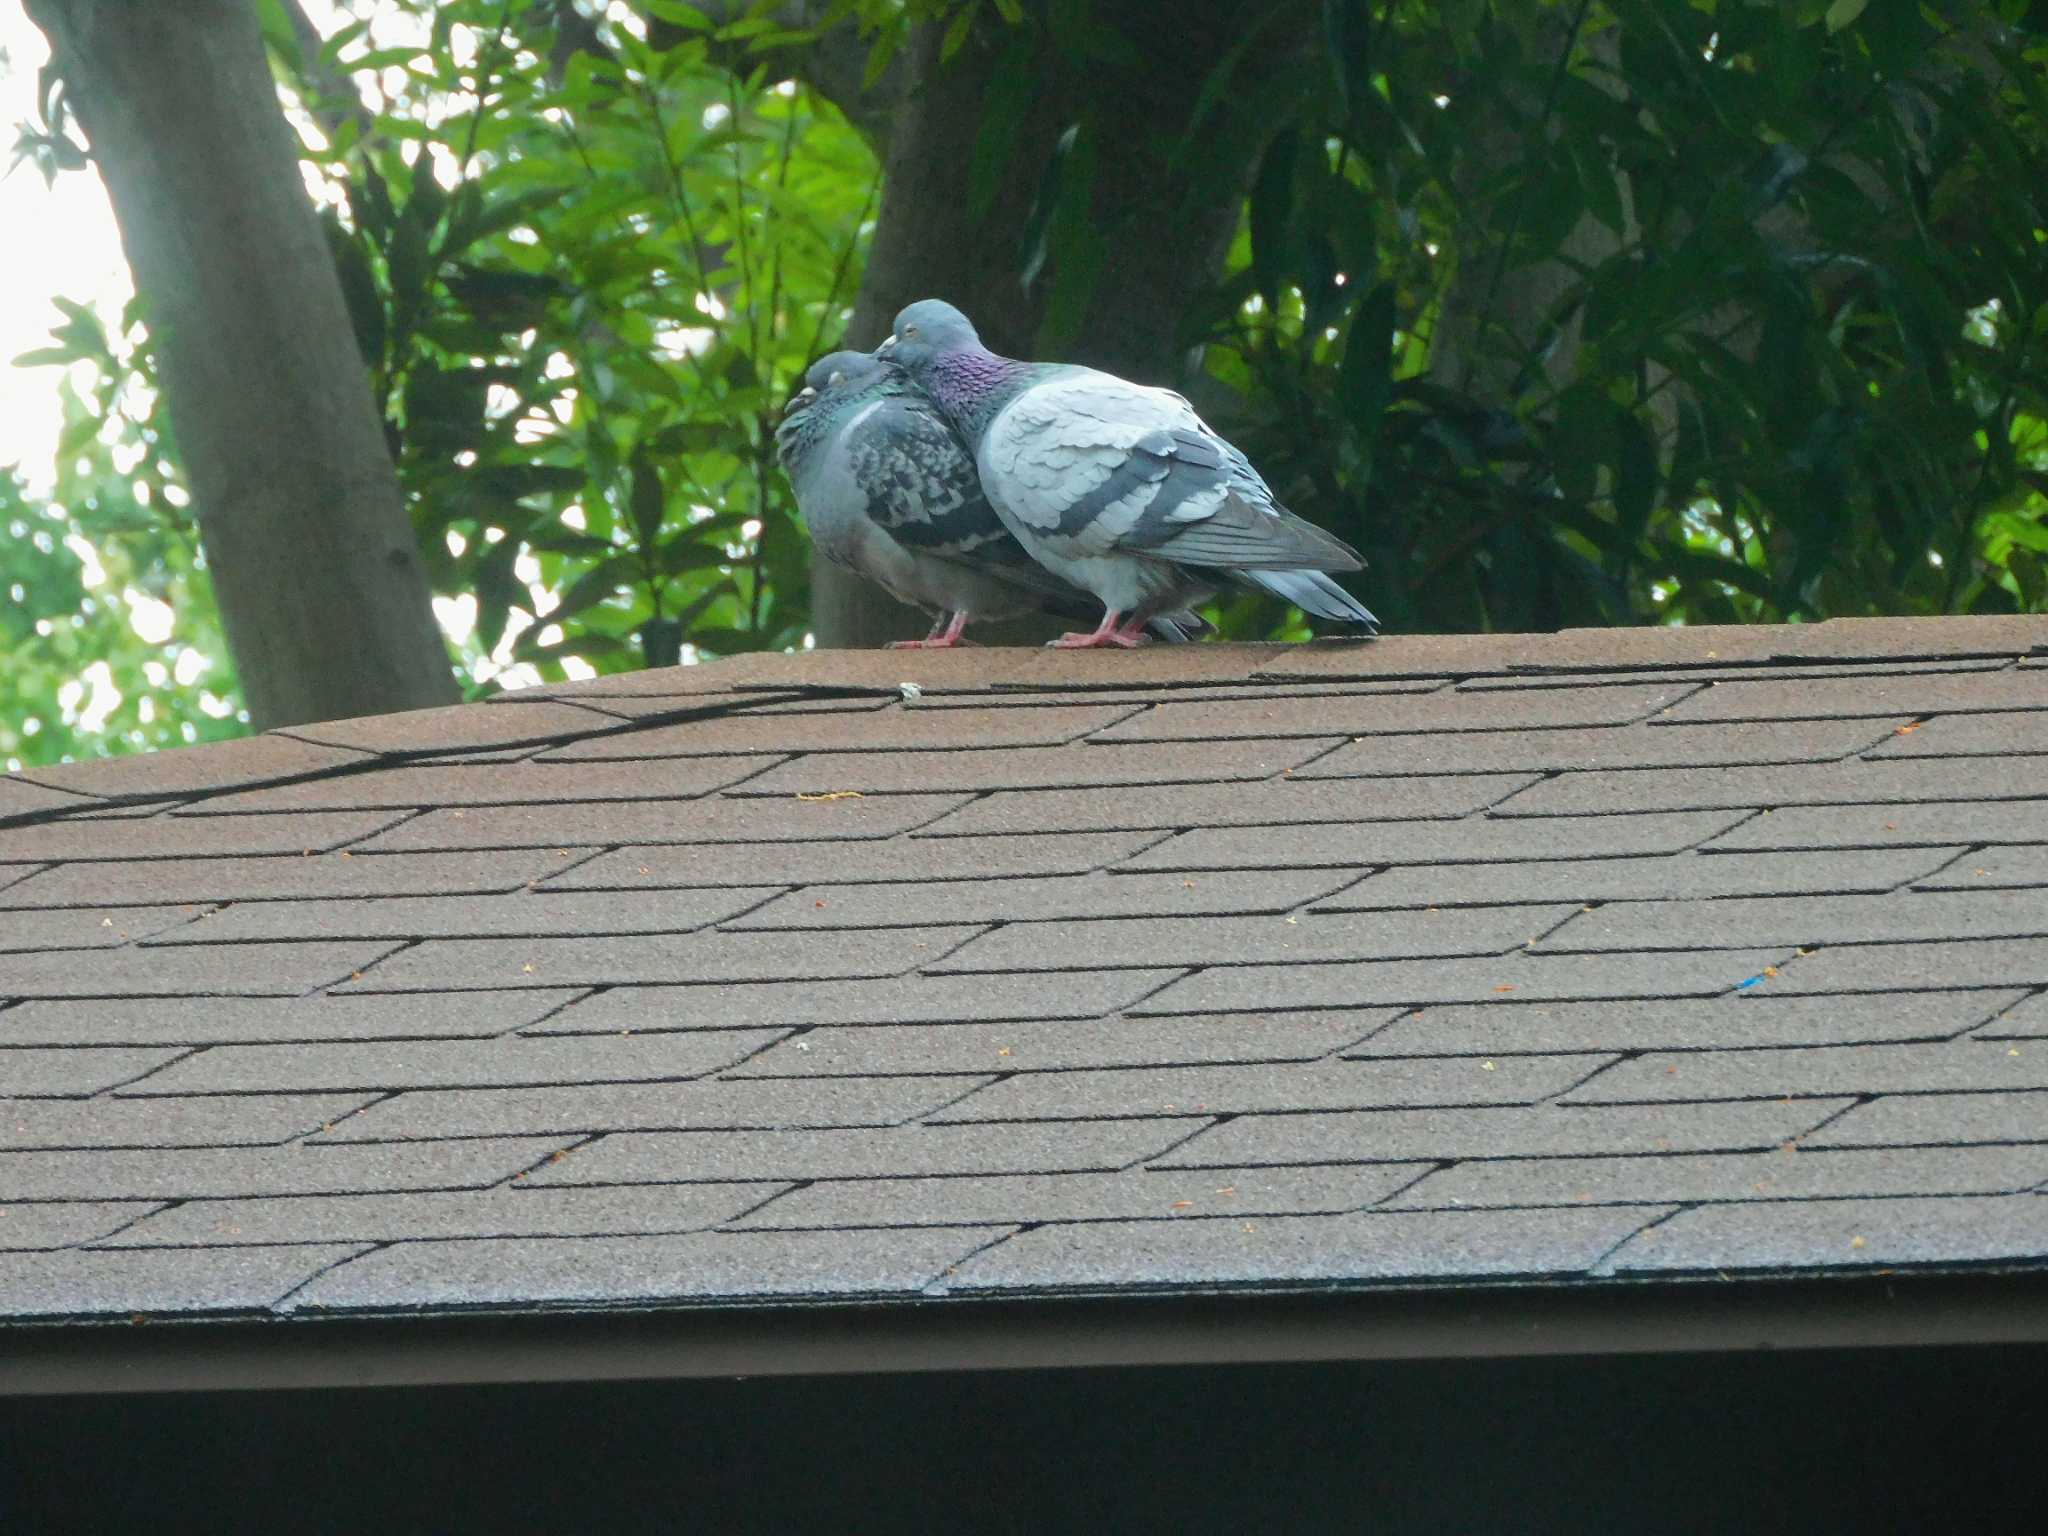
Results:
[322, 593]
[1167, 227]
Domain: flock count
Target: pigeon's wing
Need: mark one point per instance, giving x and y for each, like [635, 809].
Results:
[1094, 465]
[918, 481]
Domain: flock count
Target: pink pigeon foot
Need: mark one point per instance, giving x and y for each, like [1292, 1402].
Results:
[1129, 635]
[944, 636]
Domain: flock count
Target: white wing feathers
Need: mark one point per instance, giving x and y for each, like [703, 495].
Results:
[1090, 465]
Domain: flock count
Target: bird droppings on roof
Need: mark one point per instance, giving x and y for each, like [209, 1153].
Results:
[1444, 961]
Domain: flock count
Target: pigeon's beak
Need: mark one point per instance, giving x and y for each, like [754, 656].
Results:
[798, 401]
[887, 342]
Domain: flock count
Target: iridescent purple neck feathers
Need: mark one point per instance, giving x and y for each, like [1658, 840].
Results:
[970, 386]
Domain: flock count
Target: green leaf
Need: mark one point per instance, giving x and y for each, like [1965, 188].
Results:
[956, 32]
[1843, 13]
[1071, 166]
[1365, 377]
[1272, 203]
[1635, 474]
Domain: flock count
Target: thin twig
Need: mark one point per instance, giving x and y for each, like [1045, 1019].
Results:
[1500, 260]
[485, 63]
[845, 262]
[739, 217]
[679, 195]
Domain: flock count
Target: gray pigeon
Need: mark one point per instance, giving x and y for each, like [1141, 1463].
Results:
[1117, 487]
[887, 490]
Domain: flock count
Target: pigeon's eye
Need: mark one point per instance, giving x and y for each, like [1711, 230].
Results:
[909, 331]
[837, 378]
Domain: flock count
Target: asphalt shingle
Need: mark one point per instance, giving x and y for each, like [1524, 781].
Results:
[1564, 750]
[172, 837]
[1784, 1174]
[426, 1114]
[881, 1000]
[1224, 941]
[82, 1282]
[784, 818]
[1934, 822]
[1524, 976]
[904, 1151]
[899, 859]
[2024, 864]
[1817, 1071]
[527, 914]
[1160, 1194]
[338, 876]
[1039, 899]
[601, 959]
[1472, 839]
[1052, 1045]
[1810, 921]
[1987, 735]
[514, 783]
[1370, 1245]
[898, 728]
[1242, 1090]
[2026, 1021]
[458, 729]
[1096, 765]
[411, 1064]
[250, 1119]
[492, 1213]
[274, 1020]
[1547, 708]
[1288, 799]
[1836, 1234]
[72, 1072]
[64, 1224]
[1547, 1130]
[1897, 694]
[242, 1172]
[88, 927]
[1861, 782]
[1746, 1020]
[207, 768]
[540, 1271]
[1683, 875]
[1939, 1119]
[198, 970]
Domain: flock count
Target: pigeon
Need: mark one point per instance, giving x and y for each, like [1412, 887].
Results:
[887, 490]
[1119, 488]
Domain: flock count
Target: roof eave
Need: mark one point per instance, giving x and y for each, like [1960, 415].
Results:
[1892, 1309]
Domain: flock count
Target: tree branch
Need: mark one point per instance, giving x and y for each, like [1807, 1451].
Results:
[330, 86]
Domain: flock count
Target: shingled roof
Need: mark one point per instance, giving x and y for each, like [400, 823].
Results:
[1447, 962]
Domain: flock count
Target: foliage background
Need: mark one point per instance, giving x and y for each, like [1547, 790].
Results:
[1639, 312]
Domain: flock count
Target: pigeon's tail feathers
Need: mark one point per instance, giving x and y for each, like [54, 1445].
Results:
[1241, 536]
[1313, 592]
[1178, 627]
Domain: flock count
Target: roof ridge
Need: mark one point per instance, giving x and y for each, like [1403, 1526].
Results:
[769, 678]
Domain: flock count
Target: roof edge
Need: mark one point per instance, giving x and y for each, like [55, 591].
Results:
[1880, 1310]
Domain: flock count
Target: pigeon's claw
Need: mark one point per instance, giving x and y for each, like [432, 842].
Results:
[945, 635]
[1129, 635]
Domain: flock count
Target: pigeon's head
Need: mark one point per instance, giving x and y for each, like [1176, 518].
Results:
[831, 373]
[837, 380]
[925, 330]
